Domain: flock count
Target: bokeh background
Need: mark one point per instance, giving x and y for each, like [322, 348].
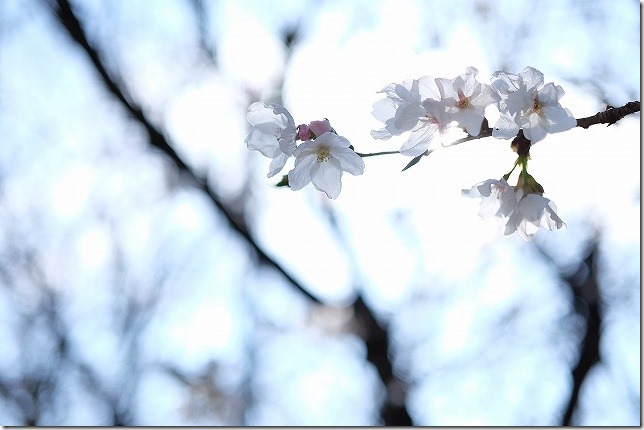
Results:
[150, 273]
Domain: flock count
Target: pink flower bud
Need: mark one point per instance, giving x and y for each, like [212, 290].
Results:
[303, 132]
[320, 127]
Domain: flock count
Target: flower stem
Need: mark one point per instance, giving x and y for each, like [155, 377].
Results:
[377, 153]
[507, 175]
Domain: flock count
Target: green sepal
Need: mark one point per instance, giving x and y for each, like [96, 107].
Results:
[415, 160]
[283, 182]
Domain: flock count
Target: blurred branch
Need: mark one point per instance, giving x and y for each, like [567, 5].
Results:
[201, 16]
[586, 294]
[376, 337]
[67, 18]
[584, 286]
[393, 411]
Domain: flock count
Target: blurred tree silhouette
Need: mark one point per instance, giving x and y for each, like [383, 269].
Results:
[91, 304]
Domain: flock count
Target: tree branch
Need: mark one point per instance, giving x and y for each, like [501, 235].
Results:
[610, 116]
[375, 334]
[69, 21]
[586, 293]
[586, 304]
[393, 411]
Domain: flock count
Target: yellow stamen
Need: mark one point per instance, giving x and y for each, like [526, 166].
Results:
[323, 154]
[463, 101]
[536, 106]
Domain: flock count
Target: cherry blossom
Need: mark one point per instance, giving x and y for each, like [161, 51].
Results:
[533, 211]
[400, 111]
[517, 211]
[322, 162]
[529, 105]
[469, 98]
[497, 198]
[414, 106]
[273, 133]
[429, 129]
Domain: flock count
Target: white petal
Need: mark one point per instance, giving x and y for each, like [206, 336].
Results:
[550, 219]
[287, 117]
[470, 118]
[287, 146]
[389, 90]
[277, 164]
[490, 206]
[468, 83]
[327, 178]
[505, 127]
[527, 230]
[332, 140]
[531, 77]
[384, 109]
[484, 189]
[419, 140]
[532, 206]
[504, 83]
[404, 93]
[300, 175]
[519, 100]
[549, 95]
[381, 134]
[511, 224]
[407, 116]
[485, 97]
[427, 88]
[536, 128]
[560, 119]
[445, 88]
[259, 113]
[260, 141]
[349, 160]
[306, 147]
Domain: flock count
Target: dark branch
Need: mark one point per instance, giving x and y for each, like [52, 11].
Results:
[72, 25]
[393, 411]
[610, 116]
[586, 293]
[585, 289]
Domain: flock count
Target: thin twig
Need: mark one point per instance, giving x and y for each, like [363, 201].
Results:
[377, 153]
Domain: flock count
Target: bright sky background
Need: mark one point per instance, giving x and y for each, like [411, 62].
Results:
[475, 317]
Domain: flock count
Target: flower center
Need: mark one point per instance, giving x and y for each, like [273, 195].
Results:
[323, 154]
[463, 102]
[536, 105]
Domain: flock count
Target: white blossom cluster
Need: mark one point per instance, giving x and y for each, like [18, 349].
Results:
[321, 158]
[517, 210]
[426, 108]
